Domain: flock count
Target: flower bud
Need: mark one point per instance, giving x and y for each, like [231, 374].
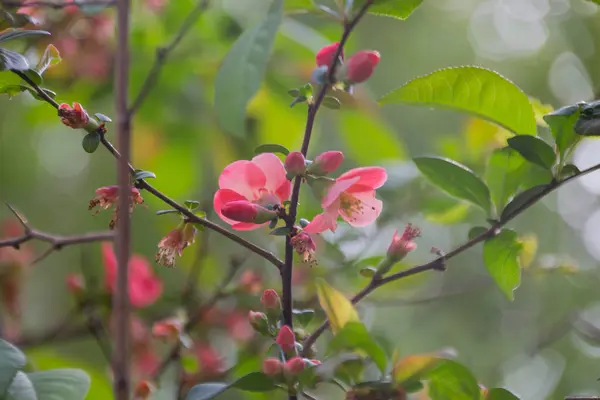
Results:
[326, 163]
[404, 244]
[245, 211]
[293, 367]
[286, 339]
[259, 322]
[295, 164]
[361, 66]
[270, 299]
[143, 390]
[272, 366]
[325, 56]
[169, 328]
[75, 283]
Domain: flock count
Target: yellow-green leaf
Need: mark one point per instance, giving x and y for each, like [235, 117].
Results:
[413, 366]
[338, 308]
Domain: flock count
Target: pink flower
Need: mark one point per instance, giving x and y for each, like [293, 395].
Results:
[239, 327]
[325, 56]
[326, 163]
[245, 211]
[352, 197]
[174, 243]
[361, 66]
[169, 328]
[305, 246]
[403, 244]
[144, 286]
[211, 364]
[272, 366]
[108, 195]
[286, 339]
[261, 181]
[250, 282]
[75, 283]
[75, 117]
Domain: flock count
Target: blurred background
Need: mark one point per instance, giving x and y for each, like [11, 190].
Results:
[543, 345]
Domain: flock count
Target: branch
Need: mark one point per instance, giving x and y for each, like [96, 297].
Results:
[163, 53]
[440, 262]
[121, 306]
[56, 5]
[142, 184]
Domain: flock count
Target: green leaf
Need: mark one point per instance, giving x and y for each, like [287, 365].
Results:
[191, 204]
[242, 71]
[332, 102]
[60, 384]
[13, 90]
[474, 90]
[568, 171]
[500, 394]
[412, 367]
[21, 388]
[504, 175]
[588, 123]
[400, 9]
[34, 76]
[12, 60]
[14, 20]
[253, 382]
[562, 125]
[90, 142]
[102, 117]
[476, 231]
[338, 308]
[522, 199]
[355, 336]
[368, 272]
[534, 150]
[281, 231]
[163, 212]
[303, 317]
[271, 148]
[144, 175]
[11, 34]
[452, 381]
[11, 361]
[501, 258]
[50, 57]
[294, 92]
[455, 179]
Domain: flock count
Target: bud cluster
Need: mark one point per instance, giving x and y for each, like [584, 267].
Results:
[358, 68]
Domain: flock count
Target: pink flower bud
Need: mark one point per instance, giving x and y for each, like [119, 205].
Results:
[259, 322]
[295, 164]
[326, 163]
[270, 299]
[361, 66]
[75, 117]
[286, 339]
[75, 283]
[294, 366]
[272, 366]
[245, 211]
[143, 390]
[404, 244]
[325, 56]
[167, 328]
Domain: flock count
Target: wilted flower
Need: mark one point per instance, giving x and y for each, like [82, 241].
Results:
[261, 181]
[403, 244]
[75, 117]
[352, 197]
[305, 246]
[174, 243]
[108, 195]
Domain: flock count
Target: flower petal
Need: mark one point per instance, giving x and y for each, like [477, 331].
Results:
[222, 197]
[371, 208]
[243, 177]
[373, 177]
[144, 291]
[322, 222]
[284, 191]
[336, 189]
[246, 226]
[273, 169]
[109, 260]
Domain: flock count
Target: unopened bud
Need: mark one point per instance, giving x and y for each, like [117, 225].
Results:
[360, 66]
[293, 367]
[295, 164]
[272, 367]
[259, 322]
[326, 56]
[326, 163]
[286, 339]
[245, 211]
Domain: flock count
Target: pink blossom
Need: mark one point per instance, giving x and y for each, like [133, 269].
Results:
[352, 197]
[174, 243]
[144, 286]
[361, 66]
[168, 328]
[75, 283]
[403, 244]
[262, 181]
[211, 364]
[106, 196]
[75, 117]
[325, 56]
[250, 282]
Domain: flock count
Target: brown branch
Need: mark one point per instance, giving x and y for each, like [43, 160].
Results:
[440, 262]
[121, 306]
[163, 53]
[56, 5]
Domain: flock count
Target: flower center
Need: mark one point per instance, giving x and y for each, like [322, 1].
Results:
[350, 205]
[267, 199]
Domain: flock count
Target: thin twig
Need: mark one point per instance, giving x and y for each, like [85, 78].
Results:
[56, 5]
[121, 306]
[439, 263]
[163, 53]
